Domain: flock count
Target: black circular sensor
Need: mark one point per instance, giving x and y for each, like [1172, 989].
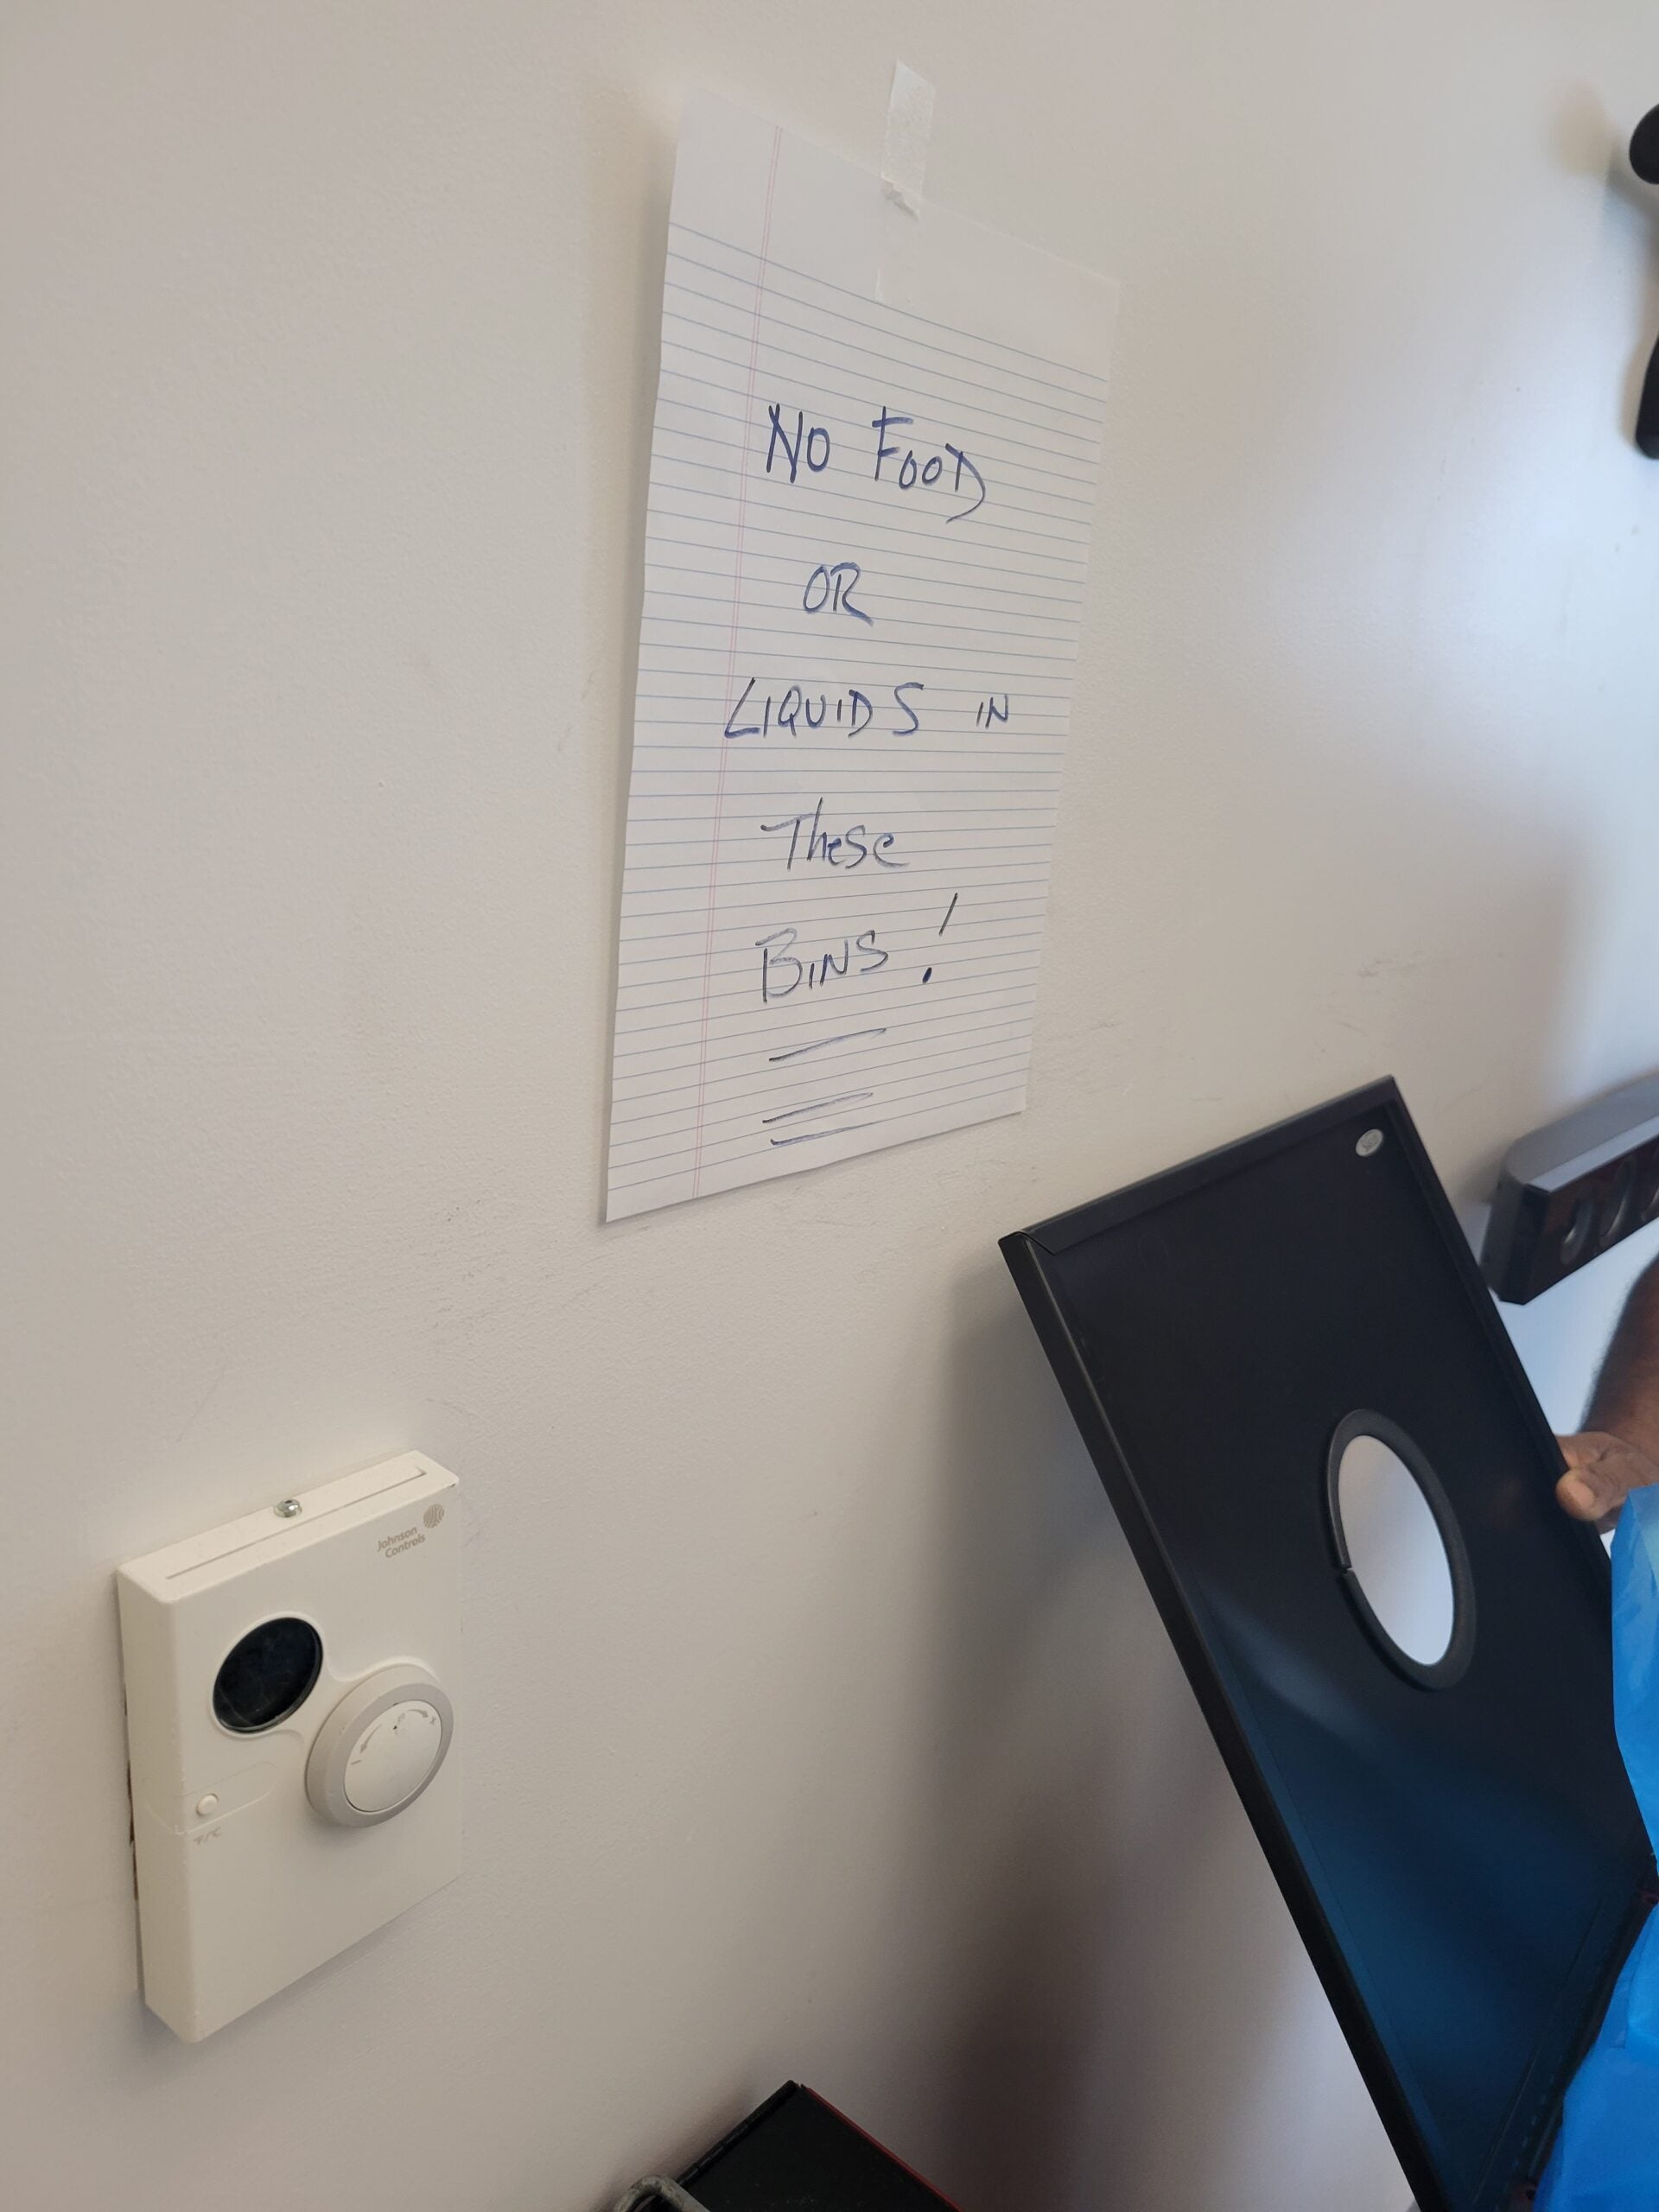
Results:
[267, 1676]
[1644, 148]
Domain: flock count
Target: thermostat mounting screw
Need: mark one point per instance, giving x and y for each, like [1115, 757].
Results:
[287, 1508]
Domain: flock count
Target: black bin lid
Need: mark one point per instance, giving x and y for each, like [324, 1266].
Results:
[1457, 1843]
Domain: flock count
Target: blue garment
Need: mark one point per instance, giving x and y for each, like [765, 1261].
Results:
[1606, 2158]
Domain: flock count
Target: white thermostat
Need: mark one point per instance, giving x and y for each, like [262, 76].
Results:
[290, 1684]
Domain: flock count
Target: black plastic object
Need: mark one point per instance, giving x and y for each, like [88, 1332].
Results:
[799, 2152]
[1573, 1189]
[1644, 160]
[1463, 1857]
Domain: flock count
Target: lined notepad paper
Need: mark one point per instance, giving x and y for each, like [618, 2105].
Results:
[873, 482]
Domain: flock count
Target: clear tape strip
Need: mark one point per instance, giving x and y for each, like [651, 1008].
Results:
[909, 124]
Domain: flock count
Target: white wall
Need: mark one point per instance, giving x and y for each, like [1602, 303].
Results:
[817, 1720]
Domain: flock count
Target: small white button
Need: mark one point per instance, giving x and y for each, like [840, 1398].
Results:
[393, 1755]
[207, 1804]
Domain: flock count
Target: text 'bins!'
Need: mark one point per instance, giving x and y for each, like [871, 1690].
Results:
[873, 475]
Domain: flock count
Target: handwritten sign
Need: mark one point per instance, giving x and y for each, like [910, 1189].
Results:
[874, 476]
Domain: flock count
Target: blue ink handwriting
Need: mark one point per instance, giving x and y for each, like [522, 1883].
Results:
[929, 470]
[847, 849]
[796, 710]
[833, 588]
[783, 972]
[815, 440]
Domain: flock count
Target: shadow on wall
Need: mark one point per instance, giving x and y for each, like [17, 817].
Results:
[1133, 2020]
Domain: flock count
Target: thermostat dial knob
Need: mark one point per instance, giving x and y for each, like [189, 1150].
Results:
[379, 1747]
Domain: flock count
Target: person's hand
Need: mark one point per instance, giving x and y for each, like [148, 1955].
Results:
[1601, 1471]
